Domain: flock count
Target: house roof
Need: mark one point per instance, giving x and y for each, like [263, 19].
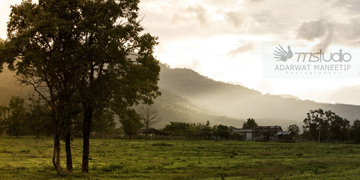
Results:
[282, 133]
[243, 130]
[269, 128]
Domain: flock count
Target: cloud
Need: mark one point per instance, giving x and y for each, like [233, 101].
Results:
[349, 31]
[190, 13]
[242, 49]
[313, 30]
[350, 6]
[328, 33]
[234, 18]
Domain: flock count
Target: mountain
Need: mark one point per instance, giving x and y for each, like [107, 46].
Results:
[190, 97]
[172, 107]
[239, 102]
[289, 96]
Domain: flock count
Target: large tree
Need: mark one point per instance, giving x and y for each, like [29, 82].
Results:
[118, 58]
[326, 125]
[250, 124]
[130, 122]
[82, 55]
[41, 47]
[317, 125]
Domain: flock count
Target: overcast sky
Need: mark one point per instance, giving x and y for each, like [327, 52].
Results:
[223, 39]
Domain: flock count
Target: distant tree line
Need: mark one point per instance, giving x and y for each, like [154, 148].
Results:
[326, 126]
[30, 117]
[201, 131]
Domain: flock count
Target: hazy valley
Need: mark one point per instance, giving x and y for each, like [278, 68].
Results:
[190, 97]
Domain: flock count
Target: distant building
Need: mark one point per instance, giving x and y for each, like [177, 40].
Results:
[247, 134]
[266, 133]
[284, 136]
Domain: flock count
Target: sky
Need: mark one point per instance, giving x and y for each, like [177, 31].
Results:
[224, 40]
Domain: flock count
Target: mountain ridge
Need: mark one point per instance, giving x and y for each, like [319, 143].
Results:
[240, 102]
[190, 97]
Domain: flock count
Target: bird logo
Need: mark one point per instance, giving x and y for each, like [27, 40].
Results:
[282, 55]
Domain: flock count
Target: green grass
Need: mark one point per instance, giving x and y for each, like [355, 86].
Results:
[28, 158]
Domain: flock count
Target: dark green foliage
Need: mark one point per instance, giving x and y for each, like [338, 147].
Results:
[222, 131]
[82, 57]
[294, 129]
[339, 128]
[16, 122]
[250, 124]
[4, 115]
[355, 131]
[189, 130]
[39, 117]
[323, 125]
[103, 124]
[200, 131]
[131, 122]
[178, 128]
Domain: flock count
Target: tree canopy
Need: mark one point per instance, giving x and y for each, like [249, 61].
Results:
[82, 57]
[250, 124]
[325, 125]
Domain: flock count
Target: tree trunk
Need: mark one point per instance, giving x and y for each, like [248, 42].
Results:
[69, 165]
[56, 154]
[86, 138]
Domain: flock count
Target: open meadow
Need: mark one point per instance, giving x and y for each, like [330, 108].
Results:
[29, 158]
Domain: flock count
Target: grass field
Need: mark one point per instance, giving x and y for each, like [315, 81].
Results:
[28, 158]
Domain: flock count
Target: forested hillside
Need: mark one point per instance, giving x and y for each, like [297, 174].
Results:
[172, 107]
[240, 102]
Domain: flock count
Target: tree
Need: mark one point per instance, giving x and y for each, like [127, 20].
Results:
[118, 58]
[326, 125]
[250, 124]
[41, 47]
[317, 125]
[16, 123]
[149, 117]
[294, 129]
[339, 128]
[355, 131]
[131, 122]
[88, 53]
[103, 122]
[177, 128]
[222, 131]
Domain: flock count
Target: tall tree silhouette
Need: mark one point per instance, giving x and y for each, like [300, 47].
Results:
[82, 56]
